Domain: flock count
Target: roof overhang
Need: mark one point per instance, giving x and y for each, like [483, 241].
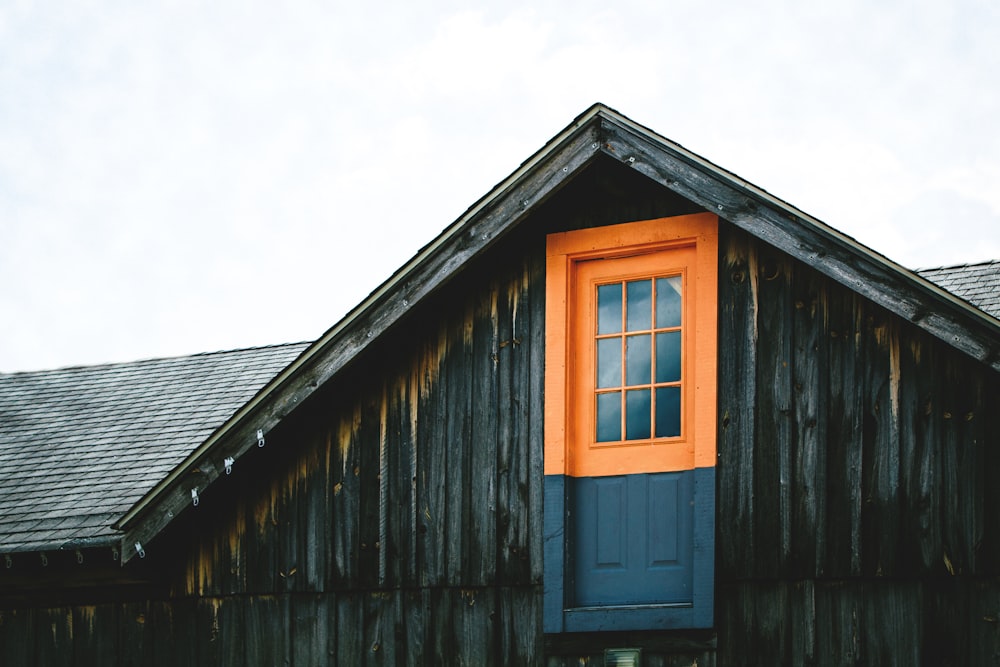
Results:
[599, 131]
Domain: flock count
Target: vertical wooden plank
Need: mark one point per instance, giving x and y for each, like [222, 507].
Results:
[948, 622]
[880, 512]
[53, 636]
[174, 624]
[349, 648]
[345, 442]
[370, 524]
[839, 623]
[983, 621]
[268, 630]
[535, 402]
[808, 511]
[262, 533]
[893, 625]
[504, 362]
[737, 398]
[756, 622]
[518, 620]
[416, 623]
[975, 472]
[474, 637]
[410, 463]
[16, 633]
[482, 521]
[988, 417]
[288, 533]
[439, 631]
[135, 643]
[460, 446]
[384, 639]
[314, 513]
[95, 636]
[920, 468]
[844, 452]
[312, 632]
[221, 631]
[802, 614]
[395, 478]
[432, 470]
[773, 437]
[513, 502]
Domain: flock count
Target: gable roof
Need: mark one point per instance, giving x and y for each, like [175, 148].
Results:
[979, 284]
[79, 446]
[599, 133]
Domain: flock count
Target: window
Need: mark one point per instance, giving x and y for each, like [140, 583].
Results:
[630, 425]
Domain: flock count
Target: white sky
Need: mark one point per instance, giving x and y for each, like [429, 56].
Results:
[179, 177]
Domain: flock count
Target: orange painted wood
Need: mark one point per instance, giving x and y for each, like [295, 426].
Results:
[576, 262]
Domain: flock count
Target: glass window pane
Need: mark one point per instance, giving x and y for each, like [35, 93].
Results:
[637, 411]
[609, 362]
[668, 412]
[639, 306]
[609, 308]
[638, 359]
[609, 417]
[668, 302]
[668, 356]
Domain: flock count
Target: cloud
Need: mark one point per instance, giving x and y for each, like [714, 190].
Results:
[179, 177]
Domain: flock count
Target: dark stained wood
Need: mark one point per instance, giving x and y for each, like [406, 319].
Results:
[482, 526]
[456, 476]
[843, 447]
[737, 397]
[809, 383]
[312, 629]
[773, 437]
[880, 512]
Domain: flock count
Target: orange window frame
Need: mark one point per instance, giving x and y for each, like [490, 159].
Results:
[683, 245]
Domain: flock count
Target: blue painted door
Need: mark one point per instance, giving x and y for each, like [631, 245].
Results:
[632, 539]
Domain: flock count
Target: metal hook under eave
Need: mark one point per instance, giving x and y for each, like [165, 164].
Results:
[139, 550]
[79, 556]
[8, 561]
[45, 560]
[229, 464]
[194, 496]
[260, 437]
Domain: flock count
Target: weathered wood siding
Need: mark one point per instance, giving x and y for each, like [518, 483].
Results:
[857, 520]
[395, 518]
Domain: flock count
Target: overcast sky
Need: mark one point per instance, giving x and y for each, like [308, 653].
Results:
[183, 177]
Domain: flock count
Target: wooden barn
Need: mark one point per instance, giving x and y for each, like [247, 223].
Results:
[628, 409]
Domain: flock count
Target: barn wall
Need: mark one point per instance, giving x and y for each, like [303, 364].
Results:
[856, 517]
[396, 517]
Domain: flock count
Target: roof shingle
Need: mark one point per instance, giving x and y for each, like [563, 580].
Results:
[79, 446]
[979, 284]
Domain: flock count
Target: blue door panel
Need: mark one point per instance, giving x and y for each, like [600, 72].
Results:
[664, 500]
[610, 534]
[632, 539]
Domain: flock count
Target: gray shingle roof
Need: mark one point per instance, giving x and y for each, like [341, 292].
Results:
[979, 284]
[79, 446]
